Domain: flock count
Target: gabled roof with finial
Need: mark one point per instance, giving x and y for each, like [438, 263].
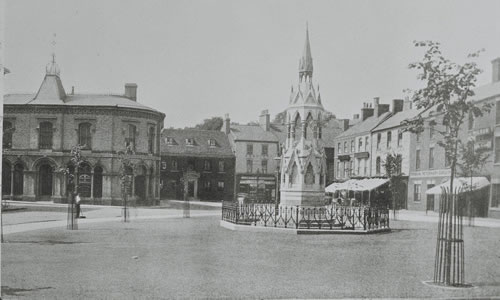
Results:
[51, 91]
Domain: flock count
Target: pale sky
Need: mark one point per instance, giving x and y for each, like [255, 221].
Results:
[197, 59]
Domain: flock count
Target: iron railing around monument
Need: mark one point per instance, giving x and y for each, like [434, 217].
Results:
[321, 218]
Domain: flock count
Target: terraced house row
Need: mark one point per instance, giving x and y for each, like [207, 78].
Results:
[362, 149]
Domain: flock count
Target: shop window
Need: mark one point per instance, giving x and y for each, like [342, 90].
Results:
[416, 192]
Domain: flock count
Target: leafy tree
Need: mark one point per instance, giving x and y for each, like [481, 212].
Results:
[448, 88]
[214, 123]
[471, 161]
[392, 167]
[76, 161]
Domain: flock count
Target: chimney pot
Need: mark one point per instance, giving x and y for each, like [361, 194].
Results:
[131, 91]
[72, 90]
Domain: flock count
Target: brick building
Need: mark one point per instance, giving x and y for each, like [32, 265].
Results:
[199, 163]
[40, 130]
[257, 148]
[353, 146]
[390, 139]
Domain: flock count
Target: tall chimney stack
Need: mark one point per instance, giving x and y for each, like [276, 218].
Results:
[131, 91]
[366, 111]
[495, 70]
[264, 120]
[397, 105]
[227, 124]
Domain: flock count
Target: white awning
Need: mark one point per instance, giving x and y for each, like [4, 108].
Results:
[461, 184]
[356, 185]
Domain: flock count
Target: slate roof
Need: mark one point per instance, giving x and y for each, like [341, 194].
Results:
[396, 119]
[77, 100]
[328, 136]
[277, 133]
[51, 92]
[201, 145]
[486, 91]
[257, 133]
[365, 126]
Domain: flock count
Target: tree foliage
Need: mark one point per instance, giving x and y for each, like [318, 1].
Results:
[214, 123]
[76, 160]
[393, 171]
[125, 158]
[448, 88]
[471, 160]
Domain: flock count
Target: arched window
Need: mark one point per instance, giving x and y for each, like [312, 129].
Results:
[309, 178]
[309, 123]
[130, 141]
[7, 134]
[45, 135]
[97, 192]
[151, 140]
[84, 136]
[377, 165]
[84, 180]
[297, 128]
[18, 179]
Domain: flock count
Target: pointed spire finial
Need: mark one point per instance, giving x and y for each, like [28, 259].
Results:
[52, 67]
[306, 64]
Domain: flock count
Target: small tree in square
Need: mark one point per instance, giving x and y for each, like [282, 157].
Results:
[71, 172]
[448, 88]
[126, 173]
[393, 171]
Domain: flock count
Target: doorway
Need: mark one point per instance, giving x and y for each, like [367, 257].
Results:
[45, 181]
[191, 189]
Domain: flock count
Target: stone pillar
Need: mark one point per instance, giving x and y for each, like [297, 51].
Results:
[29, 185]
[92, 184]
[147, 186]
[12, 182]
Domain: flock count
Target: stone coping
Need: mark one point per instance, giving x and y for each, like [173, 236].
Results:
[252, 228]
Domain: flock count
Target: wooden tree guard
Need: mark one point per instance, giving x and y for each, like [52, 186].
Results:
[449, 262]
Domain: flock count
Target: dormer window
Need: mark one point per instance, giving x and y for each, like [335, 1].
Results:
[169, 141]
[212, 143]
[190, 141]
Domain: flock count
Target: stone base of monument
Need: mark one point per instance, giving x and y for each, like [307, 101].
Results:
[302, 198]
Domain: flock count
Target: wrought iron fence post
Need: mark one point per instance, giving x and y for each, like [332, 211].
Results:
[237, 213]
[297, 218]
[364, 219]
